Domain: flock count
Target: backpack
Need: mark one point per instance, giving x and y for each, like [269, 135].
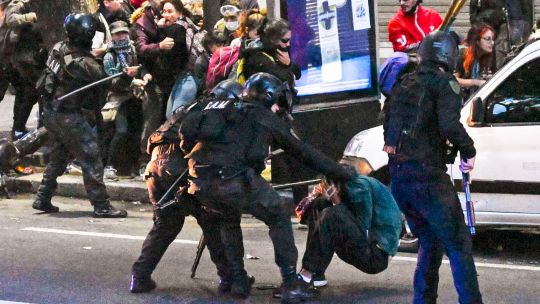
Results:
[194, 37]
[391, 70]
[221, 64]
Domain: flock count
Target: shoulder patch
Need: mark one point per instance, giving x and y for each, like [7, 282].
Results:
[455, 86]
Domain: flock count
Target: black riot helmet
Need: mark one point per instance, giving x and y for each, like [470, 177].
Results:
[227, 89]
[440, 47]
[80, 28]
[266, 89]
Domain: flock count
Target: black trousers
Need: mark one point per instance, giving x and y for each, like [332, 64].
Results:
[250, 194]
[72, 137]
[334, 229]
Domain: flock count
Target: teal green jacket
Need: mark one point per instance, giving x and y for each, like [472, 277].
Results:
[376, 210]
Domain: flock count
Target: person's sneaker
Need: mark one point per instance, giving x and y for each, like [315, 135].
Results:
[319, 280]
[108, 211]
[140, 285]
[44, 206]
[18, 134]
[298, 291]
[110, 173]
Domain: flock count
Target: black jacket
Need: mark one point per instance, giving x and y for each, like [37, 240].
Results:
[240, 137]
[435, 120]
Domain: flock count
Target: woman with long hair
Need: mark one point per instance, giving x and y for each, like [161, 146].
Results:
[477, 60]
[250, 22]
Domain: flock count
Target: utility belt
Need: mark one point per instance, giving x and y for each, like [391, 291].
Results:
[214, 171]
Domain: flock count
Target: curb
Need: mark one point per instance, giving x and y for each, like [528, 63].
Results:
[72, 186]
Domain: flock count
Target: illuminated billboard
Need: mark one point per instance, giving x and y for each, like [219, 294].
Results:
[333, 42]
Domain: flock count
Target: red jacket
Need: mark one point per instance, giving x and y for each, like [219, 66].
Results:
[137, 3]
[406, 30]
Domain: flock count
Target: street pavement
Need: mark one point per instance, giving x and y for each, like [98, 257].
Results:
[70, 257]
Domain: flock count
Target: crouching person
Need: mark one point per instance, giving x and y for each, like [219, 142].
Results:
[358, 220]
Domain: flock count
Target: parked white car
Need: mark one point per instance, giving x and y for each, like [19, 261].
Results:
[503, 118]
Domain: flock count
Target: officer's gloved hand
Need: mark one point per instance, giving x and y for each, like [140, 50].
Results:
[466, 165]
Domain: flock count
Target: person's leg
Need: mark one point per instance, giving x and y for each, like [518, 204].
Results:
[184, 91]
[446, 220]
[119, 138]
[25, 99]
[152, 115]
[55, 167]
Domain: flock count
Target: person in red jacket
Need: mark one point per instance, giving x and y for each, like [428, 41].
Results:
[411, 24]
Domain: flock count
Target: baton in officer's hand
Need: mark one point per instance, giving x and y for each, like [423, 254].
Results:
[468, 203]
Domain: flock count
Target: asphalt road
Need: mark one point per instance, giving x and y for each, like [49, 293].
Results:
[69, 257]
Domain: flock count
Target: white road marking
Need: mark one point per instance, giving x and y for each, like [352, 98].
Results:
[99, 234]
[486, 265]
[9, 302]
[190, 242]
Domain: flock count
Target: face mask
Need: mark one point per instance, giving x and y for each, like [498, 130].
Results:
[232, 25]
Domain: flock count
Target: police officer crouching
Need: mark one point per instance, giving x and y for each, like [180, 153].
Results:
[165, 167]
[421, 116]
[70, 122]
[227, 144]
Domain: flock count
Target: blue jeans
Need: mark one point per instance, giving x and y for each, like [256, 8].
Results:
[183, 92]
[427, 198]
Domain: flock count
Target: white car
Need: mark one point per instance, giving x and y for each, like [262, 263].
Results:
[503, 118]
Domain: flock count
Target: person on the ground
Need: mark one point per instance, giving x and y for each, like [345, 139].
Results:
[358, 220]
[123, 95]
[166, 165]
[476, 63]
[71, 66]
[22, 58]
[175, 23]
[422, 115]
[411, 24]
[227, 144]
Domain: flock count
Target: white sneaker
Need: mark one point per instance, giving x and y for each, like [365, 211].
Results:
[110, 173]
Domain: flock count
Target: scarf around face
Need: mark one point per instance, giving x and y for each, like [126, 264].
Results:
[122, 48]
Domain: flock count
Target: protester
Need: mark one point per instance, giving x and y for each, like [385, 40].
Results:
[476, 64]
[177, 25]
[230, 21]
[212, 42]
[248, 30]
[359, 220]
[123, 95]
[108, 12]
[411, 24]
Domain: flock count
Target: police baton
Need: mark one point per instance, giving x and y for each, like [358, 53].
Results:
[93, 84]
[202, 241]
[469, 205]
[164, 201]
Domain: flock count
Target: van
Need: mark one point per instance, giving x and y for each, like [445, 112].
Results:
[503, 119]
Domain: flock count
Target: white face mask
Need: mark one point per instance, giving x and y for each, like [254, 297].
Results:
[232, 25]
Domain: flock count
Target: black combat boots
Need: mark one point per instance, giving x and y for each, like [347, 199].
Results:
[106, 210]
[45, 206]
[297, 290]
[140, 285]
[225, 286]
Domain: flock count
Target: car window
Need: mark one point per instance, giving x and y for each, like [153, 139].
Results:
[517, 99]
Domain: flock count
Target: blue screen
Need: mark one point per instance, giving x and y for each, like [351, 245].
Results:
[331, 44]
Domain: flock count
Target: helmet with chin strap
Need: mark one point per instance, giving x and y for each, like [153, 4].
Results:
[80, 28]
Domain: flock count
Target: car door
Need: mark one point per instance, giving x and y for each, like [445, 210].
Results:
[506, 178]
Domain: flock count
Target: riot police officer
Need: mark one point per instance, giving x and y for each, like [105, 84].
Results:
[422, 114]
[70, 122]
[166, 165]
[227, 144]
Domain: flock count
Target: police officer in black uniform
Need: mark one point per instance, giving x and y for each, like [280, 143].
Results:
[166, 165]
[227, 144]
[70, 122]
[422, 115]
